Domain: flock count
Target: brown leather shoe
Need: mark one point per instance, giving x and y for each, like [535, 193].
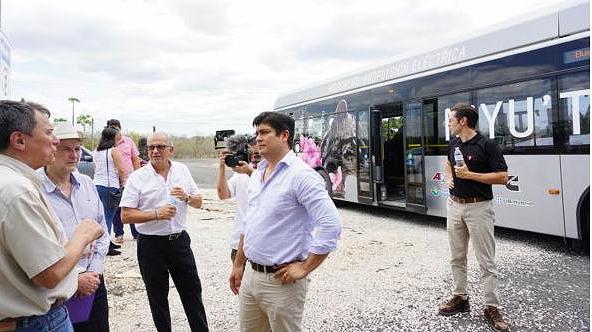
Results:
[495, 320]
[453, 306]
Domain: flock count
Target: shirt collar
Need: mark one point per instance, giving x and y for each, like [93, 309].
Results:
[474, 139]
[149, 165]
[288, 159]
[50, 187]
[21, 168]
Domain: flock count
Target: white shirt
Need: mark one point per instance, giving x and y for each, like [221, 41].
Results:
[147, 190]
[105, 176]
[238, 184]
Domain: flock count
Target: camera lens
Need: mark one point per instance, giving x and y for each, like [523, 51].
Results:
[231, 161]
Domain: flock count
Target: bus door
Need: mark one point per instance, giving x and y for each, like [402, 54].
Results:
[388, 156]
[414, 156]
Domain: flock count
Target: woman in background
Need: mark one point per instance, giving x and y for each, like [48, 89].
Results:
[108, 172]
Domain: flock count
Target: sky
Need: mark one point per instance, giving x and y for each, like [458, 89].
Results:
[191, 67]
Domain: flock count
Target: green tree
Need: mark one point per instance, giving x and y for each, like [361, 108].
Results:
[58, 120]
[84, 120]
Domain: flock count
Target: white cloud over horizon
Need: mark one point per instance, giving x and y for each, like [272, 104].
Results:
[192, 67]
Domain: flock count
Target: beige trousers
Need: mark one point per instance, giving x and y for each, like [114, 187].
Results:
[472, 221]
[264, 303]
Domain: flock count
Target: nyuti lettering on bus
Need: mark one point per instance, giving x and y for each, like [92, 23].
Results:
[573, 99]
[379, 136]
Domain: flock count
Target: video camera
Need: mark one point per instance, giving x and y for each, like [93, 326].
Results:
[238, 146]
[220, 137]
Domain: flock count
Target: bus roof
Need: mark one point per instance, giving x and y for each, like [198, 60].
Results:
[552, 22]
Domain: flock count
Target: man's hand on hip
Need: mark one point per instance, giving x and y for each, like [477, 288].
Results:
[291, 272]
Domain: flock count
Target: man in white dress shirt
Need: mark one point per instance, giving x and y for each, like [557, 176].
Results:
[287, 202]
[237, 187]
[156, 199]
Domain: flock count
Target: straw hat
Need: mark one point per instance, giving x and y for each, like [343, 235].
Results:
[64, 130]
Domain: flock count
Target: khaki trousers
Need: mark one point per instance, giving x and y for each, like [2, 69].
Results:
[264, 303]
[472, 221]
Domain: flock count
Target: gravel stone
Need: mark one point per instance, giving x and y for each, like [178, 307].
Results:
[389, 273]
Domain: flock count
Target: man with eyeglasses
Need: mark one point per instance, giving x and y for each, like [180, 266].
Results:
[74, 198]
[156, 199]
[37, 261]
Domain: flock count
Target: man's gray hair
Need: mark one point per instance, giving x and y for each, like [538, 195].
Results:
[169, 140]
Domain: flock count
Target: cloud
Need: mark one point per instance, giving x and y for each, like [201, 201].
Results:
[194, 66]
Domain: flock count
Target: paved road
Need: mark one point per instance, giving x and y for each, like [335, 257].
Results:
[204, 172]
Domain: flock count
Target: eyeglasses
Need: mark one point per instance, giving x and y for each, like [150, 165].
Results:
[158, 147]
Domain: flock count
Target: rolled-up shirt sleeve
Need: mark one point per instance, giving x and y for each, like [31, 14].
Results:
[312, 194]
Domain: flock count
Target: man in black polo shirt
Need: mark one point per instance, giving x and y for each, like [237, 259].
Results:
[470, 211]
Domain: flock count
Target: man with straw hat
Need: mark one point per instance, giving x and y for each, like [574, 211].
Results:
[74, 198]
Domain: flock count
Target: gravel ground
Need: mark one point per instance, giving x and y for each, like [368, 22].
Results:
[388, 274]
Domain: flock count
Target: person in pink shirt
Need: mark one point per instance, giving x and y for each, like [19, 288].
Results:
[131, 162]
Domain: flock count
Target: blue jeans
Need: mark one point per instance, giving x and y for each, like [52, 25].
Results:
[56, 320]
[118, 225]
[109, 211]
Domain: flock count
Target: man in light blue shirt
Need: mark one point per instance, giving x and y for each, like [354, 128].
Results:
[288, 202]
[74, 198]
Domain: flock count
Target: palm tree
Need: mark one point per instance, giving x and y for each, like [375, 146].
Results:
[73, 100]
[83, 120]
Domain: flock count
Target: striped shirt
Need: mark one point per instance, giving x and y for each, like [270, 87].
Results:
[285, 210]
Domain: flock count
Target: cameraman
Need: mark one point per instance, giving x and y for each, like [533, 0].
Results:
[236, 187]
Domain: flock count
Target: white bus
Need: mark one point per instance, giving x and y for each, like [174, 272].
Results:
[379, 136]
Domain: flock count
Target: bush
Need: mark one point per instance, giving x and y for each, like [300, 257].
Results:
[196, 147]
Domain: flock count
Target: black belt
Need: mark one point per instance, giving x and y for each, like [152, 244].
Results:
[170, 237]
[263, 268]
[468, 200]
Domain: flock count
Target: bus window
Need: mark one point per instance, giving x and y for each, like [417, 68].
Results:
[314, 128]
[364, 162]
[574, 106]
[298, 131]
[518, 116]
[436, 123]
